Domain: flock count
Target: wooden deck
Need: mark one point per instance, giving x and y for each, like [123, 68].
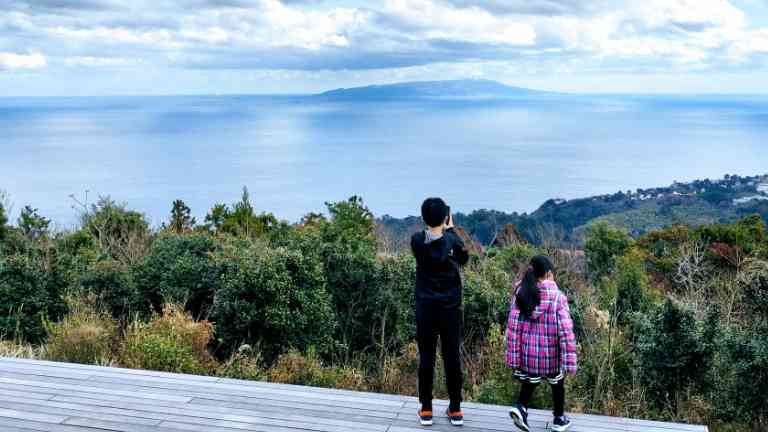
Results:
[59, 397]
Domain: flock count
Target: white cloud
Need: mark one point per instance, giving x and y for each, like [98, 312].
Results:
[22, 61]
[389, 34]
[118, 35]
[89, 61]
[432, 20]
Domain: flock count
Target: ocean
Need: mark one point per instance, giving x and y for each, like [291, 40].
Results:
[295, 153]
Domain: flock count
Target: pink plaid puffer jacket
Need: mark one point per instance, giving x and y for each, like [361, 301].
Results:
[545, 343]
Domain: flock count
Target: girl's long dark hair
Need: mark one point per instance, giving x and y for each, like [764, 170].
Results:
[527, 297]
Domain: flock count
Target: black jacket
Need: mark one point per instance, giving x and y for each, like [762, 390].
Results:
[438, 279]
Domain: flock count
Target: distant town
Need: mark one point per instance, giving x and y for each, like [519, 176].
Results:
[731, 189]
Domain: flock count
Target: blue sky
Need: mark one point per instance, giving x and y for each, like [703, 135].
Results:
[108, 47]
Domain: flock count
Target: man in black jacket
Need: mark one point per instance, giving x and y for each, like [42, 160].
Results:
[439, 253]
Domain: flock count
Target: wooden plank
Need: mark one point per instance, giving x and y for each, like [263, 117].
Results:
[537, 423]
[92, 389]
[52, 369]
[148, 415]
[502, 412]
[122, 370]
[110, 425]
[31, 415]
[53, 408]
[209, 391]
[40, 395]
[29, 425]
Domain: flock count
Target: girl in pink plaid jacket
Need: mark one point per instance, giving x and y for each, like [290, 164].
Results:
[540, 341]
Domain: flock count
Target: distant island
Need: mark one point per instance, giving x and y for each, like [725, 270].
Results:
[699, 202]
[446, 90]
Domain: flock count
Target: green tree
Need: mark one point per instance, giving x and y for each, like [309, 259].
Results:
[181, 218]
[749, 233]
[179, 269]
[274, 298]
[486, 298]
[113, 286]
[631, 286]
[393, 323]
[32, 225]
[31, 291]
[743, 381]
[3, 222]
[214, 220]
[351, 220]
[347, 244]
[120, 233]
[604, 244]
[243, 221]
[672, 351]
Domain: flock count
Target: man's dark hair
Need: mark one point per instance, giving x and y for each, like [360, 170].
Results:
[434, 211]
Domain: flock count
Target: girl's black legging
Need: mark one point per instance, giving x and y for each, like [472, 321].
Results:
[558, 395]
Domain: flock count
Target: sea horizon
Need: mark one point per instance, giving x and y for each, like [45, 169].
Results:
[295, 152]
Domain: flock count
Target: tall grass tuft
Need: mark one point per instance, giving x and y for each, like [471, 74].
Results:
[171, 342]
[85, 336]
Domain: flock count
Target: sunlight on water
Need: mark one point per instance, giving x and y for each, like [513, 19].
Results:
[294, 154]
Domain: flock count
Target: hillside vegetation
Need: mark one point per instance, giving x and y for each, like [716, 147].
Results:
[563, 221]
[671, 324]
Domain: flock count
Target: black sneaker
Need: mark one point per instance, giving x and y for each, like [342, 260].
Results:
[519, 415]
[561, 424]
[425, 417]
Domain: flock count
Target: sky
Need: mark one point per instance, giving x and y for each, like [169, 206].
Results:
[151, 47]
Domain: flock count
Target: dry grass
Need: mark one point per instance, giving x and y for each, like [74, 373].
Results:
[18, 350]
[85, 336]
[172, 342]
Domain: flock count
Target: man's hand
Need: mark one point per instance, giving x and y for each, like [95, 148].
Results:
[449, 222]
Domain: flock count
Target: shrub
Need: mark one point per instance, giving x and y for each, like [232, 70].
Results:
[75, 253]
[749, 233]
[631, 286]
[3, 219]
[662, 248]
[604, 244]
[392, 323]
[497, 385]
[486, 295]
[347, 246]
[296, 368]
[30, 293]
[179, 269]
[172, 342]
[83, 336]
[273, 298]
[244, 364]
[673, 352]
[399, 373]
[754, 282]
[120, 233]
[112, 285]
[743, 382]
[514, 258]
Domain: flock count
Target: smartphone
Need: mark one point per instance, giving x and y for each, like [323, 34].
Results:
[448, 220]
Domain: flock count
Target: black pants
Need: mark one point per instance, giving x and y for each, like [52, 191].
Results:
[529, 384]
[434, 320]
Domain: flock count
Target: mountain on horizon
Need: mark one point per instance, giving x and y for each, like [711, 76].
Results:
[450, 89]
